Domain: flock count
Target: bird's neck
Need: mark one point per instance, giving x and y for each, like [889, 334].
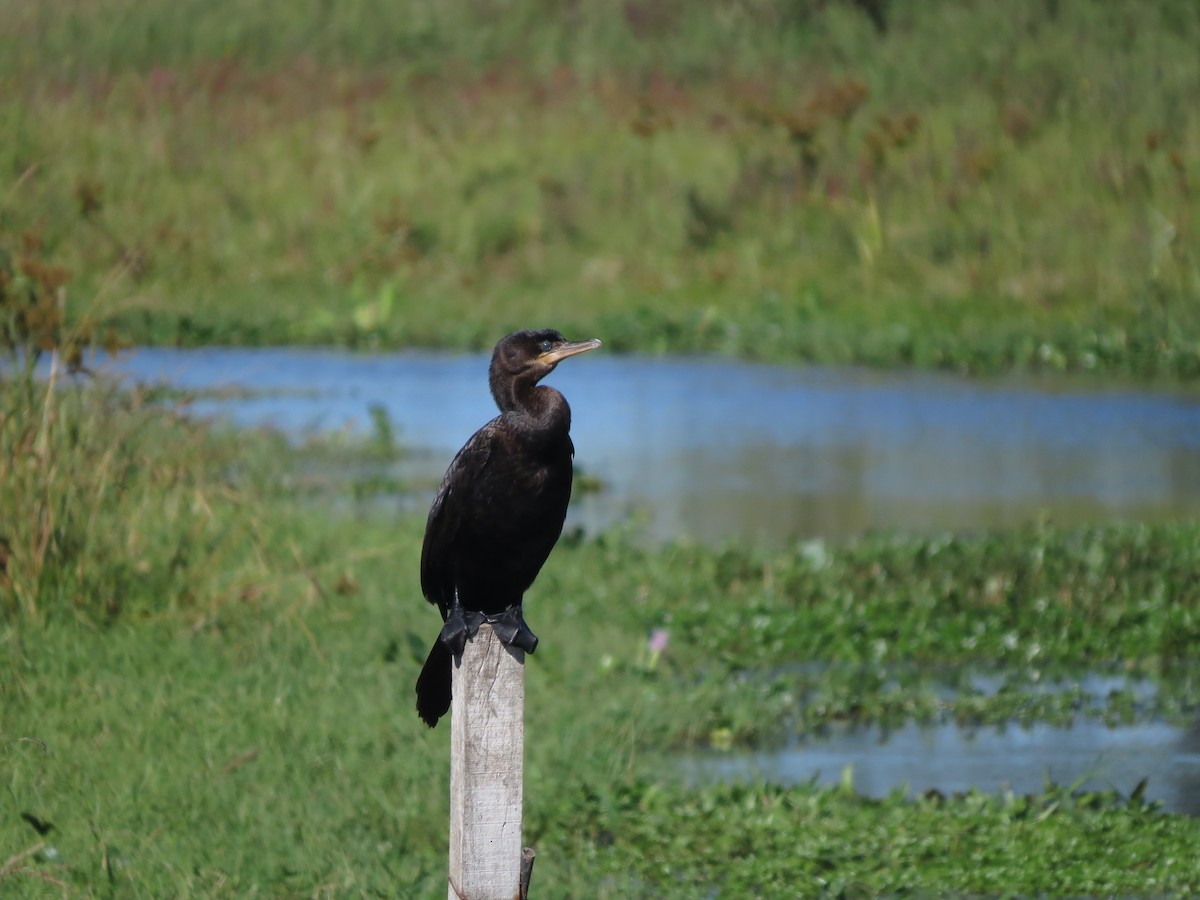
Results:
[540, 407]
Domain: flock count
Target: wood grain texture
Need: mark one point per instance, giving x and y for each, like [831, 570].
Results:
[487, 750]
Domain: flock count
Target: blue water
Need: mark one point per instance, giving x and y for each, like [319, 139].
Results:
[710, 448]
[1088, 755]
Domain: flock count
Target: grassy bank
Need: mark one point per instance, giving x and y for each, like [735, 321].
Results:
[966, 186]
[207, 686]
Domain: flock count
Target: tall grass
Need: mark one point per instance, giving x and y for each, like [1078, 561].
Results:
[115, 506]
[976, 186]
[112, 502]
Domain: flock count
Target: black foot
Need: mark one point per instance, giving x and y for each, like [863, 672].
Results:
[460, 627]
[510, 627]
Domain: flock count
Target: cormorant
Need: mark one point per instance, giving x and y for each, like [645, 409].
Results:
[499, 510]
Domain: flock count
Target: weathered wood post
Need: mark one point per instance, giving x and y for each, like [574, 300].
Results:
[487, 775]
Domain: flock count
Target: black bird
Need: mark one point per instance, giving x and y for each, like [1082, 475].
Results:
[499, 511]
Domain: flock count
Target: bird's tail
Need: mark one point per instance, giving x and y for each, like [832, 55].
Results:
[433, 685]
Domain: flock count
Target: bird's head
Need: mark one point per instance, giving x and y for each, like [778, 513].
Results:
[534, 354]
[524, 358]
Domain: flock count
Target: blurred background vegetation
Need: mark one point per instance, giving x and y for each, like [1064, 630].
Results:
[959, 184]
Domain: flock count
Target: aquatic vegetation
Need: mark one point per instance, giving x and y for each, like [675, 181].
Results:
[754, 840]
[1018, 597]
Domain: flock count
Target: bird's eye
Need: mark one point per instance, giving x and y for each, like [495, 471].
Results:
[546, 346]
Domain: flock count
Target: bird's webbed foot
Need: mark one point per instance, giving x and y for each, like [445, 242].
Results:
[460, 627]
[510, 627]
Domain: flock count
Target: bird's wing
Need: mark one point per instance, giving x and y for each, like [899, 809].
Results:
[448, 515]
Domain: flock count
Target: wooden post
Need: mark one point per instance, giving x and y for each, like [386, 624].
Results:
[487, 756]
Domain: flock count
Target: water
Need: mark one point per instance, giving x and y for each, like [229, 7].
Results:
[949, 757]
[711, 449]
[1088, 755]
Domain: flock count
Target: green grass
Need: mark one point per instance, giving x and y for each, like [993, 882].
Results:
[275, 762]
[980, 187]
[207, 686]
[273, 749]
